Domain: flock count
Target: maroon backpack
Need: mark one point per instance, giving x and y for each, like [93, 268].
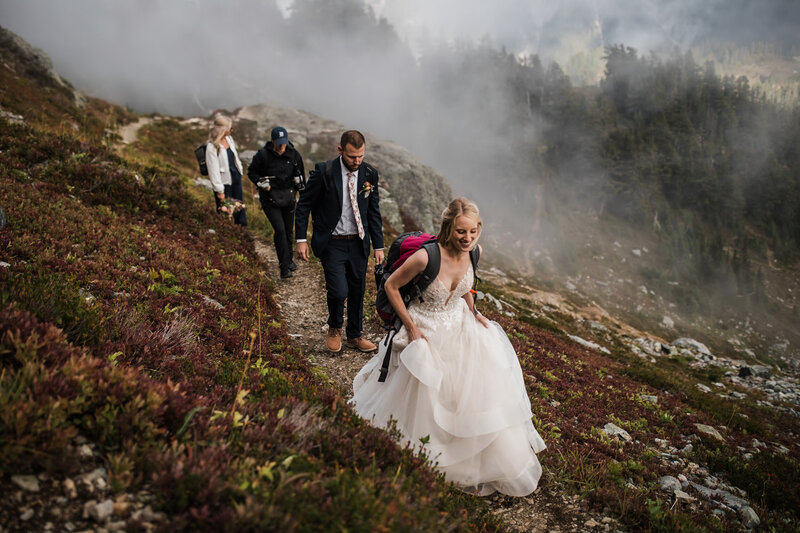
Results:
[399, 251]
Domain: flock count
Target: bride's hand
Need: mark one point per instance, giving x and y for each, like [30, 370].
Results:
[414, 333]
[482, 319]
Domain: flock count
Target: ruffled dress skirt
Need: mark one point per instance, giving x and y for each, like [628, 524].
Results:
[459, 396]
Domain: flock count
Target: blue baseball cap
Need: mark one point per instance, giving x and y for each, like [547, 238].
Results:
[279, 135]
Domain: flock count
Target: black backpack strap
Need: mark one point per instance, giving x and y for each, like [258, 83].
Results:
[369, 171]
[200, 154]
[323, 168]
[387, 341]
[474, 256]
[422, 282]
[326, 173]
[296, 164]
[430, 272]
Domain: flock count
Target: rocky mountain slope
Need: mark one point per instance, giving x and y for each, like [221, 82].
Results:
[413, 195]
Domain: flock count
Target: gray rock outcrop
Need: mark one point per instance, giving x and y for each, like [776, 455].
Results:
[413, 195]
[21, 57]
[692, 346]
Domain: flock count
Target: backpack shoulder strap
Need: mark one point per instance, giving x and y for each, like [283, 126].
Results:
[422, 282]
[326, 169]
[432, 268]
[369, 171]
[474, 256]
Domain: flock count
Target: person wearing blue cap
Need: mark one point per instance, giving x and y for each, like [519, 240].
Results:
[277, 170]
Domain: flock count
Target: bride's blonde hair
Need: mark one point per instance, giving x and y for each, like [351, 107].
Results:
[458, 207]
[221, 125]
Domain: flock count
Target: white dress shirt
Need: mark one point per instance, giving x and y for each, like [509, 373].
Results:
[347, 222]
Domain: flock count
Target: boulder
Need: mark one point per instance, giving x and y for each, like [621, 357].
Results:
[617, 432]
[669, 484]
[760, 371]
[708, 430]
[589, 344]
[749, 517]
[732, 501]
[691, 345]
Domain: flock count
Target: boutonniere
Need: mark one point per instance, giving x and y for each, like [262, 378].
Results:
[366, 189]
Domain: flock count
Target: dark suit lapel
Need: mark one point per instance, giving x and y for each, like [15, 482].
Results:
[362, 177]
[362, 201]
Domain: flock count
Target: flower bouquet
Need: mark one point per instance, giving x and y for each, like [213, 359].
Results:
[230, 207]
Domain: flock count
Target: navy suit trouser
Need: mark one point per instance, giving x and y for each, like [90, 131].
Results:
[345, 267]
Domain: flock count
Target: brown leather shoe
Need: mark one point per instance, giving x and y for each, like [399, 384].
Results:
[334, 340]
[361, 344]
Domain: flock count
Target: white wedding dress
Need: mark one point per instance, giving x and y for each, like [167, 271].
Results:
[462, 388]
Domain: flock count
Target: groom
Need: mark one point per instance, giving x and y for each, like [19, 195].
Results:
[342, 196]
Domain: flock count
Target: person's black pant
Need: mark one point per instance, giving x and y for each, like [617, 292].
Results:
[282, 221]
[345, 267]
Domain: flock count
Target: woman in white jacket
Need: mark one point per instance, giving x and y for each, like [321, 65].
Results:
[224, 167]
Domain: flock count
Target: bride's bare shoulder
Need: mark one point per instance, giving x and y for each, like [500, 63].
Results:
[418, 259]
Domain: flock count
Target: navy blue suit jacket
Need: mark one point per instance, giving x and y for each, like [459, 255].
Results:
[322, 199]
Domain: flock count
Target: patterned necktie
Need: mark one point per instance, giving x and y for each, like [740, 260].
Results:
[351, 186]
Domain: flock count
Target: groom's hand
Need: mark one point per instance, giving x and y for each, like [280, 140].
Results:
[378, 257]
[302, 251]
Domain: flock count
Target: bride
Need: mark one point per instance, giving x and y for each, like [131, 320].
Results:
[455, 387]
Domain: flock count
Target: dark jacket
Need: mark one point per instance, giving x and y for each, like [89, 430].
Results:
[280, 168]
[322, 199]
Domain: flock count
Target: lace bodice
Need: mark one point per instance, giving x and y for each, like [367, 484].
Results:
[439, 309]
[437, 298]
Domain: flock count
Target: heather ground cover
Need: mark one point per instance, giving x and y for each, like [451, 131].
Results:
[170, 355]
[576, 391]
